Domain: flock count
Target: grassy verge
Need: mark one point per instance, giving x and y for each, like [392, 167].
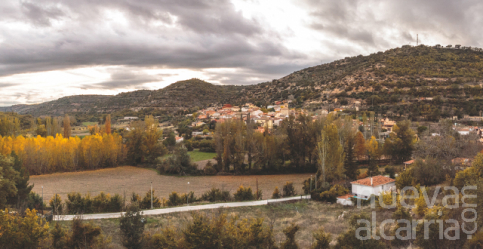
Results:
[309, 215]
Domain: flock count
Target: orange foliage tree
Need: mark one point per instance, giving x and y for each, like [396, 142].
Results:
[107, 125]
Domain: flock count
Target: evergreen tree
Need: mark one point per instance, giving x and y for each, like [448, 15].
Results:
[22, 182]
[9, 178]
[350, 166]
[132, 228]
[400, 143]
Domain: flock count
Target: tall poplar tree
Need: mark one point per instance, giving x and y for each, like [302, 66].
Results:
[107, 125]
[67, 130]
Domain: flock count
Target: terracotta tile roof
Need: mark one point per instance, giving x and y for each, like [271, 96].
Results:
[376, 181]
[347, 196]
[409, 162]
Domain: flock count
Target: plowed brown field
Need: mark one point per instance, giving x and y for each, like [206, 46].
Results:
[129, 179]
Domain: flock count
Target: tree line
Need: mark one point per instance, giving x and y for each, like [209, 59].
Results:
[330, 145]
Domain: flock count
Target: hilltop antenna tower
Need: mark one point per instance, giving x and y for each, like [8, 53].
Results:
[417, 39]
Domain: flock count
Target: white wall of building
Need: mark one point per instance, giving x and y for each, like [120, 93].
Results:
[363, 190]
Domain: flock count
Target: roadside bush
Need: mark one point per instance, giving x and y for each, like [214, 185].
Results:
[146, 201]
[102, 203]
[135, 198]
[331, 194]
[189, 197]
[174, 200]
[307, 186]
[276, 193]
[76, 204]
[244, 194]
[288, 189]
[116, 203]
[215, 195]
[56, 204]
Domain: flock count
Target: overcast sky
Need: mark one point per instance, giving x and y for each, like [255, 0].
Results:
[55, 48]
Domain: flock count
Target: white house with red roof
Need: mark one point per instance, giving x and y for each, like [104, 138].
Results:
[364, 188]
[372, 186]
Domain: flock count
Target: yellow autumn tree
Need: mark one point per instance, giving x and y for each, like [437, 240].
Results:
[373, 152]
[40, 155]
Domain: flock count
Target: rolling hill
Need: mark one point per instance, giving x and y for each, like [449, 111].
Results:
[420, 81]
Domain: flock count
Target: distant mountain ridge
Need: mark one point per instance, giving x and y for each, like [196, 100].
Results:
[392, 80]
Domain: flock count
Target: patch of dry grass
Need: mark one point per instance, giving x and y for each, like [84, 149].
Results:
[310, 216]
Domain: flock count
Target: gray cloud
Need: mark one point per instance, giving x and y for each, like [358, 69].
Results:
[366, 23]
[5, 85]
[43, 35]
[192, 34]
[38, 15]
[124, 79]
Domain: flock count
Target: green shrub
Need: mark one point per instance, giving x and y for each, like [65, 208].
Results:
[76, 204]
[207, 146]
[56, 204]
[306, 187]
[132, 228]
[244, 194]
[289, 242]
[146, 201]
[189, 198]
[83, 235]
[276, 193]
[116, 203]
[210, 169]
[174, 200]
[100, 203]
[322, 239]
[288, 189]
[215, 195]
[189, 145]
[34, 201]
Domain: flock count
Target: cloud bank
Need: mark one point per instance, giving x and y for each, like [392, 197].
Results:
[51, 48]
